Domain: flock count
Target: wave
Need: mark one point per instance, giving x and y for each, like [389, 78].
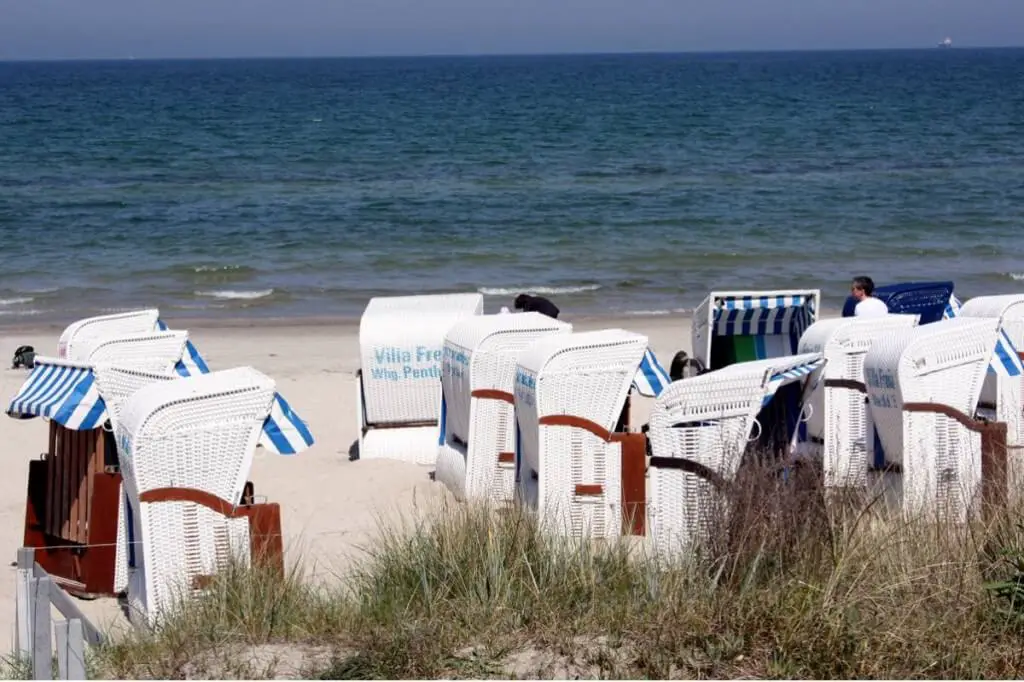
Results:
[20, 313]
[236, 295]
[1016, 276]
[546, 291]
[658, 313]
[223, 268]
[16, 301]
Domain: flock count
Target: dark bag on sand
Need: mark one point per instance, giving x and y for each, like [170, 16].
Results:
[25, 357]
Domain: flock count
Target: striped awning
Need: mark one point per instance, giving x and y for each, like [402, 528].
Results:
[66, 393]
[1005, 358]
[651, 378]
[789, 375]
[764, 315]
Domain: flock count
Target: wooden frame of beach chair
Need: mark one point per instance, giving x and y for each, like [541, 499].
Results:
[74, 516]
[700, 430]
[577, 465]
[186, 449]
[398, 388]
[924, 386]
[476, 454]
[839, 429]
[740, 326]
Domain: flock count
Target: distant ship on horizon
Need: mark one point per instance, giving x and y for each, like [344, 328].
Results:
[946, 42]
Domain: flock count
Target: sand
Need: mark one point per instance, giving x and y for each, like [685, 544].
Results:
[331, 507]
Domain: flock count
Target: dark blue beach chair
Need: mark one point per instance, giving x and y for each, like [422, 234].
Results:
[927, 299]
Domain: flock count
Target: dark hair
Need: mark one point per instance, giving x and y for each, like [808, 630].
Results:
[521, 301]
[865, 284]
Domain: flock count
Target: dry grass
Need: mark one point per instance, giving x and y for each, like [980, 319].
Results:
[791, 587]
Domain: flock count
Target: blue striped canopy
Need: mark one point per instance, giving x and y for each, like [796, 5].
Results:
[66, 393]
[764, 315]
[788, 376]
[1005, 358]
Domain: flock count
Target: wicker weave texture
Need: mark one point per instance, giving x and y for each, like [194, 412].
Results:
[946, 363]
[481, 353]
[839, 414]
[400, 341]
[78, 338]
[198, 432]
[586, 375]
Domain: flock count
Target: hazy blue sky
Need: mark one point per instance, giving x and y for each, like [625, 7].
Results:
[47, 29]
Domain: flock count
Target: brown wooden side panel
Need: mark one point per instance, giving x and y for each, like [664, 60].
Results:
[265, 538]
[98, 562]
[634, 482]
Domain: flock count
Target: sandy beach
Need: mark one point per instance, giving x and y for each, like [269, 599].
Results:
[331, 506]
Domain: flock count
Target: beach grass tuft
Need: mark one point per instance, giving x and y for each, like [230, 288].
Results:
[791, 585]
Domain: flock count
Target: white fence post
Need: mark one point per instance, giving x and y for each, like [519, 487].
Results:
[42, 643]
[60, 635]
[76, 650]
[23, 604]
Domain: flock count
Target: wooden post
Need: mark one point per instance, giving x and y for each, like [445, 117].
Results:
[42, 646]
[70, 649]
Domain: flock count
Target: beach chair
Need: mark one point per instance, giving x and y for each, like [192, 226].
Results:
[930, 301]
[74, 517]
[739, 326]
[476, 455]
[1002, 393]
[78, 337]
[186, 448]
[839, 429]
[700, 430]
[577, 463]
[924, 384]
[398, 385]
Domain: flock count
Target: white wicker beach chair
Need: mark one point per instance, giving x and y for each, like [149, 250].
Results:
[186, 448]
[924, 385]
[570, 391]
[87, 331]
[699, 430]
[839, 430]
[476, 456]
[399, 384]
[740, 326]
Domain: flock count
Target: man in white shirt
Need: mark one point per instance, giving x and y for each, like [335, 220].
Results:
[862, 289]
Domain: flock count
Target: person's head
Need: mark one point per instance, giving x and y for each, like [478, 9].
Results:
[521, 301]
[862, 287]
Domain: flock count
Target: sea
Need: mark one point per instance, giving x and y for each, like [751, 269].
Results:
[612, 184]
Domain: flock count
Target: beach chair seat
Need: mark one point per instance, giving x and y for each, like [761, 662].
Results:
[700, 430]
[186, 448]
[924, 384]
[740, 326]
[476, 455]
[839, 429]
[399, 382]
[577, 463]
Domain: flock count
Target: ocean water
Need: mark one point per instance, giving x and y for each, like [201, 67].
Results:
[614, 184]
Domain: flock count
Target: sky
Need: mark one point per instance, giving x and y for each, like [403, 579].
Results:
[117, 29]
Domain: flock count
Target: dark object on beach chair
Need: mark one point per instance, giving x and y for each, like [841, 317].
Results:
[536, 304]
[927, 299]
[25, 357]
[683, 367]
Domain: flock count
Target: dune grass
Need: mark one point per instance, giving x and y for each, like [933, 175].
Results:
[790, 587]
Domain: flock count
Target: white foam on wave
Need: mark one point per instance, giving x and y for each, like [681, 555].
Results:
[19, 313]
[1016, 276]
[15, 301]
[217, 268]
[237, 295]
[653, 313]
[546, 291]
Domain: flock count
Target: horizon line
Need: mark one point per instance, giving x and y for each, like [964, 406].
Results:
[469, 55]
